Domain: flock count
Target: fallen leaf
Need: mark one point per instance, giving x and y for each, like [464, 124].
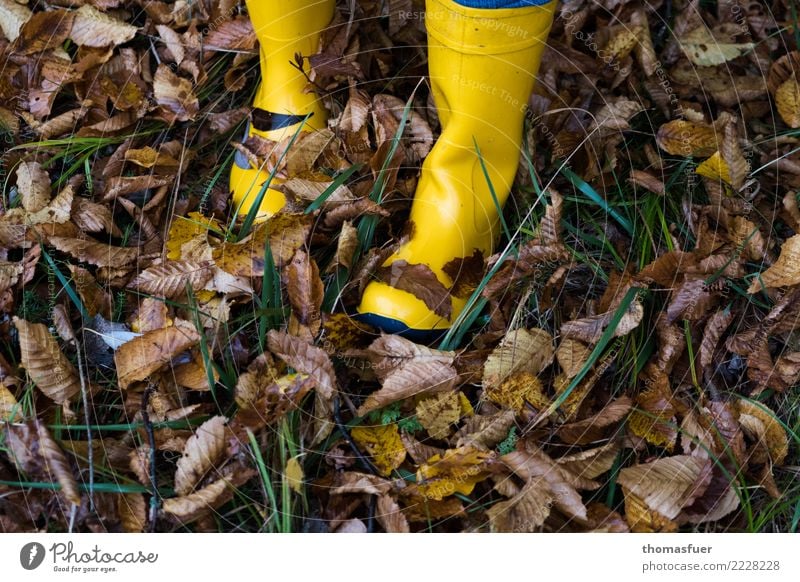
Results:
[46, 363]
[521, 350]
[137, 359]
[202, 453]
[93, 28]
[383, 444]
[438, 413]
[667, 485]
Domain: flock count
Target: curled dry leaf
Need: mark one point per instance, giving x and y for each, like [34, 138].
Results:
[95, 253]
[56, 464]
[195, 505]
[305, 358]
[591, 329]
[305, 290]
[521, 350]
[139, 358]
[46, 363]
[761, 424]
[667, 485]
[92, 28]
[175, 94]
[173, 278]
[202, 453]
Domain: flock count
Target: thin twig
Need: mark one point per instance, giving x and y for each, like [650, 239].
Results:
[87, 419]
[151, 439]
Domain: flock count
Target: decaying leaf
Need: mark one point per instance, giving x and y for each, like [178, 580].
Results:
[383, 444]
[784, 272]
[438, 413]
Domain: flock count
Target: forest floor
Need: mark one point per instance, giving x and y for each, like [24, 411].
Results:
[629, 360]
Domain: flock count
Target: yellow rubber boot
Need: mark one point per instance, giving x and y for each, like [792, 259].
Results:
[482, 64]
[284, 28]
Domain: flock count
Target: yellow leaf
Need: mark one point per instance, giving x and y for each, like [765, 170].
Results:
[383, 444]
[458, 471]
[783, 272]
[518, 389]
[760, 422]
[715, 168]
[294, 475]
[787, 99]
[438, 412]
[9, 408]
[184, 229]
[642, 519]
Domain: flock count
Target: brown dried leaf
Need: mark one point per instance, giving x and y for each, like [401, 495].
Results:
[389, 515]
[523, 513]
[33, 185]
[137, 359]
[195, 505]
[202, 452]
[46, 363]
[93, 28]
[95, 253]
[417, 377]
[304, 358]
[175, 94]
[485, 431]
[56, 464]
[521, 350]
[761, 423]
[173, 278]
[132, 510]
[667, 485]
[419, 280]
[305, 290]
[590, 329]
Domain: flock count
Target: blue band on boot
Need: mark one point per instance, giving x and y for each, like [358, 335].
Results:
[500, 3]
